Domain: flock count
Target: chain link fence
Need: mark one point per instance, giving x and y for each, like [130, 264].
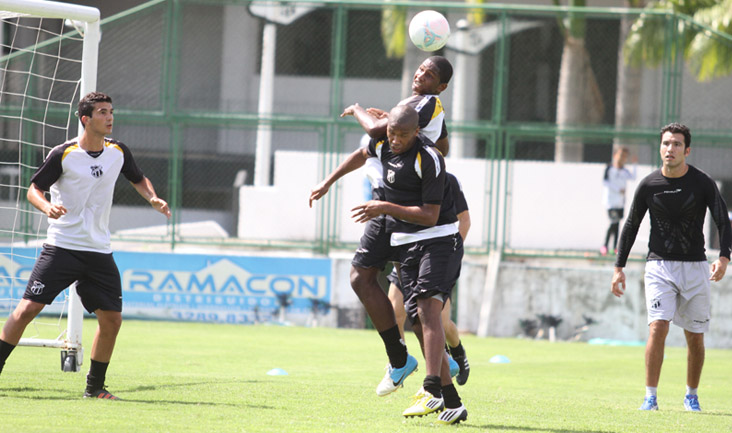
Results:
[539, 97]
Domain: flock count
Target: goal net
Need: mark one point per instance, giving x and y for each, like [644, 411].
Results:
[48, 58]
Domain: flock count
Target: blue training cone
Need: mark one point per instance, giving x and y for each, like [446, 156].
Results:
[499, 359]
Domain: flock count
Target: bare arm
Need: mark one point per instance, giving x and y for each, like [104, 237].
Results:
[37, 198]
[463, 223]
[354, 161]
[374, 126]
[146, 190]
[443, 145]
[425, 215]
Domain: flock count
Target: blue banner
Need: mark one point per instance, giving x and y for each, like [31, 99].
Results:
[198, 287]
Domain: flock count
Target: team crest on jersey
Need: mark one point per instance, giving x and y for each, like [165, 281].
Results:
[390, 176]
[37, 287]
[96, 170]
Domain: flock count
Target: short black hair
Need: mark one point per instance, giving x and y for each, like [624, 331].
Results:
[444, 66]
[86, 104]
[677, 128]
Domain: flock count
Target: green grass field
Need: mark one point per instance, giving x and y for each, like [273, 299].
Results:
[188, 377]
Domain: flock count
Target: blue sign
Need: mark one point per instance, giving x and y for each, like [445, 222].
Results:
[198, 287]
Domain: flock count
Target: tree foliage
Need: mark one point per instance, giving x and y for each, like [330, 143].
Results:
[708, 55]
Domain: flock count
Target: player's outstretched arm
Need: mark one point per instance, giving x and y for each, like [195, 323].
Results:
[377, 113]
[374, 126]
[146, 190]
[37, 198]
[618, 283]
[354, 161]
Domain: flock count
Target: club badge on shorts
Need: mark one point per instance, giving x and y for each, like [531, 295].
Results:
[37, 287]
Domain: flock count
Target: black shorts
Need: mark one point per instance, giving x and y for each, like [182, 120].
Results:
[430, 268]
[615, 214]
[375, 249]
[393, 278]
[98, 281]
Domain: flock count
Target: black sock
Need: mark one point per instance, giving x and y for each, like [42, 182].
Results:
[96, 376]
[458, 350]
[5, 349]
[450, 394]
[431, 384]
[396, 350]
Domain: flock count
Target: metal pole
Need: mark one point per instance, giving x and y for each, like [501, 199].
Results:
[266, 90]
[459, 92]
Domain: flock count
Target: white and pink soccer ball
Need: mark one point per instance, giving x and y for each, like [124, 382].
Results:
[429, 30]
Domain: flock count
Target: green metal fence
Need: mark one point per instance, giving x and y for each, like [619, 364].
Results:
[185, 76]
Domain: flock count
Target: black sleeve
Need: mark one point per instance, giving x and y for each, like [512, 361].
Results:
[632, 224]
[461, 205]
[49, 172]
[718, 209]
[443, 133]
[374, 143]
[129, 168]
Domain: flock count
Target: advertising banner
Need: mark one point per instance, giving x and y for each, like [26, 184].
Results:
[201, 287]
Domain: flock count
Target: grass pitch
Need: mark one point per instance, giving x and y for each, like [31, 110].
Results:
[191, 377]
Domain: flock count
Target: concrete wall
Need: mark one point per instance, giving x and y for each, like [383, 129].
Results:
[571, 289]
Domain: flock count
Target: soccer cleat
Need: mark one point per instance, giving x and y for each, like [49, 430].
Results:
[453, 416]
[416, 397]
[462, 376]
[424, 404]
[394, 377]
[454, 366]
[603, 250]
[649, 403]
[691, 402]
[101, 393]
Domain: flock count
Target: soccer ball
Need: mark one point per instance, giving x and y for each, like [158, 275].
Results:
[429, 30]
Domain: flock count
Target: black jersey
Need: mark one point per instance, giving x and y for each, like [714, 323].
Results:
[456, 193]
[413, 178]
[677, 207]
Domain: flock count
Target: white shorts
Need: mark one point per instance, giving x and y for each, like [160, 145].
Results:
[679, 292]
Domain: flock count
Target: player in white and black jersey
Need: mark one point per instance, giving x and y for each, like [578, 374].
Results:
[429, 245]
[677, 274]
[430, 79]
[80, 175]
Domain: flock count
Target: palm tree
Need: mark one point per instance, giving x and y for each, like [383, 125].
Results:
[708, 54]
[708, 57]
[579, 100]
[627, 95]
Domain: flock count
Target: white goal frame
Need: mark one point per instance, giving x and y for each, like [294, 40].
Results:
[87, 22]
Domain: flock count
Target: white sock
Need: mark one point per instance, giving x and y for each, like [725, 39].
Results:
[651, 391]
[690, 391]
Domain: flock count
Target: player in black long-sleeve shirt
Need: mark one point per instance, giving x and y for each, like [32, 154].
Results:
[677, 274]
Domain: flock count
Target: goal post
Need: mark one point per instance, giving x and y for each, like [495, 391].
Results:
[37, 107]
